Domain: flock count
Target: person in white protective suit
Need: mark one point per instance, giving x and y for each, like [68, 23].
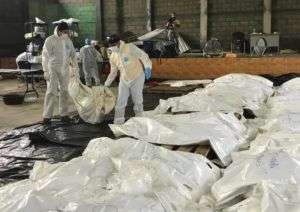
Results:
[23, 60]
[90, 58]
[134, 66]
[58, 54]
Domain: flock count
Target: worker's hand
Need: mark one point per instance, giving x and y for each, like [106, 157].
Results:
[148, 73]
[46, 76]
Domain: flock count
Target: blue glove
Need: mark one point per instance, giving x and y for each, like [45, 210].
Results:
[148, 73]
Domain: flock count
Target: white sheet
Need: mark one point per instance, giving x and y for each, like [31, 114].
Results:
[230, 93]
[224, 132]
[114, 176]
[274, 165]
[93, 103]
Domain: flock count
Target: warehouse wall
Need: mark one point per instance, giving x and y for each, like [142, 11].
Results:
[43, 9]
[13, 14]
[228, 16]
[224, 18]
[134, 16]
[131, 18]
[117, 20]
[286, 20]
[110, 17]
[85, 11]
[188, 13]
[51, 10]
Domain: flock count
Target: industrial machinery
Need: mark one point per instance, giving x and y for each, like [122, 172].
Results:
[260, 43]
[213, 48]
[165, 41]
[260, 47]
[35, 35]
[238, 42]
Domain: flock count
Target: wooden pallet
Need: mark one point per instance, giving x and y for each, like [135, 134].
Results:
[204, 150]
[160, 89]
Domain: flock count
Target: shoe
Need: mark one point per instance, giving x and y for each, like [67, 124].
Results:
[46, 121]
[65, 119]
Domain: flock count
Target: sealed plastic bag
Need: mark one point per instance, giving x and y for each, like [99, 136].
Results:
[283, 104]
[286, 100]
[115, 176]
[230, 93]
[92, 103]
[224, 132]
[288, 122]
[270, 196]
[281, 140]
[248, 171]
[290, 86]
[197, 101]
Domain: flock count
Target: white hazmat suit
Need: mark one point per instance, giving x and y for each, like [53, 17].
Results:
[58, 53]
[131, 62]
[90, 56]
[25, 57]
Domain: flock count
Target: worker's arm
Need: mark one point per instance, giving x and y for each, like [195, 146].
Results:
[112, 75]
[80, 54]
[143, 56]
[73, 57]
[98, 56]
[46, 54]
[145, 60]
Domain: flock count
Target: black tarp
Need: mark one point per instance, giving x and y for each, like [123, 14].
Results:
[279, 80]
[59, 142]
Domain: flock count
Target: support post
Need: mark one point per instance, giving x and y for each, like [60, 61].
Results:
[267, 20]
[203, 22]
[149, 15]
[120, 16]
[99, 20]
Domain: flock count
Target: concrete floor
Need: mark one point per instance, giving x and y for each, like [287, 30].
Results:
[12, 116]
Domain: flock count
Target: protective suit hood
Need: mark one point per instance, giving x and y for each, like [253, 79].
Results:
[90, 56]
[130, 61]
[55, 32]
[57, 55]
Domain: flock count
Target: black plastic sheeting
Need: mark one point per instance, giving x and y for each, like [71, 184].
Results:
[279, 80]
[77, 135]
[58, 142]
